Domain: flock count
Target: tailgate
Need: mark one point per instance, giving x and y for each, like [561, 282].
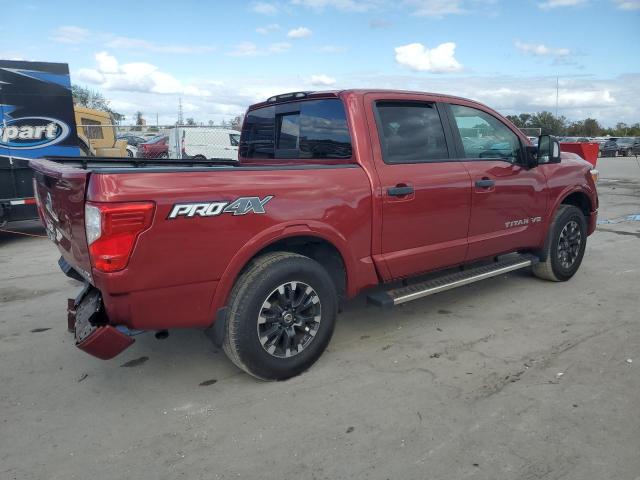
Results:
[60, 190]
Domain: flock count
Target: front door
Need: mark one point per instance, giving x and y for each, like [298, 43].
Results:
[426, 194]
[509, 199]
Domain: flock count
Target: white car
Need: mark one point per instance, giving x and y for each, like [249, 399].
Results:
[204, 143]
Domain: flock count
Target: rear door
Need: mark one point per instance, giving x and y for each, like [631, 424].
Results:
[60, 191]
[509, 199]
[426, 193]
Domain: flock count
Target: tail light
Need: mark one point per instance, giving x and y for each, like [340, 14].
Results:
[112, 230]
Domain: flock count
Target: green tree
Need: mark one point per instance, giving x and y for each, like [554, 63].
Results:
[88, 98]
[549, 123]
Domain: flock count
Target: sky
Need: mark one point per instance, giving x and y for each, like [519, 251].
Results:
[218, 57]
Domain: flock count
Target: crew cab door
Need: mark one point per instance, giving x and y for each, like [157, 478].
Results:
[509, 199]
[426, 194]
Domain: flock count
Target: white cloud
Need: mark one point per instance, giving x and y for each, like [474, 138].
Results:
[548, 4]
[627, 4]
[140, 44]
[264, 8]
[422, 59]
[267, 29]
[106, 63]
[300, 32]
[134, 77]
[70, 34]
[541, 50]
[435, 8]
[322, 80]
[250, 49]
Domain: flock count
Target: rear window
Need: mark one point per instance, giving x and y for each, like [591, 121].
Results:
[314, 129]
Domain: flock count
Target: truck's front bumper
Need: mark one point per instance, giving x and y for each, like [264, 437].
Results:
[86, 318]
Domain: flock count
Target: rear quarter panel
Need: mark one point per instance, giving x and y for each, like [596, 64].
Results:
[200, 257]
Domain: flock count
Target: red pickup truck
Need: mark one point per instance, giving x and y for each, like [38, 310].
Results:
[334, 193]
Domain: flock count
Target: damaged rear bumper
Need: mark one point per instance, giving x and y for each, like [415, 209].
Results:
[87, 319]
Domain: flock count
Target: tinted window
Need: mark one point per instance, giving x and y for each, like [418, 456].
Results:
[323, 130]
[288, 129]
[410, 132]
[309, 129]
[484, 136]
[234, 139]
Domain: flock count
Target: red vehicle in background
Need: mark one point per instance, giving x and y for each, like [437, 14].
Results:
[334, 193]
[157, 147]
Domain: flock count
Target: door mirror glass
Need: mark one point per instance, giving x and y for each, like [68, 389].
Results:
[548, 149]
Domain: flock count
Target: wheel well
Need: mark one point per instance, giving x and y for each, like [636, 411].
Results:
[319, 250]
[580, 200]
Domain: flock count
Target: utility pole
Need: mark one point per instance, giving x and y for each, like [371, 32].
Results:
[557, 93]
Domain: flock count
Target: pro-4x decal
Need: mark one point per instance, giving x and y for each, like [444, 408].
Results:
[240, 206]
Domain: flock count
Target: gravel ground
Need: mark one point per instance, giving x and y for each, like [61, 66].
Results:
[510, 378]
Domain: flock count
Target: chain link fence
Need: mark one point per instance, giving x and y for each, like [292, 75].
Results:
[175, 141]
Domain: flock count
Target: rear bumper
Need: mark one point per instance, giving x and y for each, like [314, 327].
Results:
[86, 318]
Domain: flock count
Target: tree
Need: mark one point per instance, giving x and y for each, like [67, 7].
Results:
[88, 98]
[549, 123]
[191, 122]
[520, 121]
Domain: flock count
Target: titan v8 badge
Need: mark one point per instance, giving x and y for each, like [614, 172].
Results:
[241, 206]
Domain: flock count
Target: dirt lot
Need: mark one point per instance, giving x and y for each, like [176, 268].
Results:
[511, 378]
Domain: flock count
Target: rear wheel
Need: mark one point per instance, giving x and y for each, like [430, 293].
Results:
[565, 245]
[281, 316]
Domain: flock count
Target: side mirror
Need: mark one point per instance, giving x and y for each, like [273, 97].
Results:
[548, 149]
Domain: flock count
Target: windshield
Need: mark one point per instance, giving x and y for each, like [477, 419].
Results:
[625, 140]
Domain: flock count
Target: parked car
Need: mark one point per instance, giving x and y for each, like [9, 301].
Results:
[610, 148]
[157, 147]
[326, 202]
[204, 143]
[625, 146]
[131, 139]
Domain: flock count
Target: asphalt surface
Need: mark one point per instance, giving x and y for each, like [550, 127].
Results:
[510, 378]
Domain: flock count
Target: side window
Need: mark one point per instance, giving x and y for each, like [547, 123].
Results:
[314, 129]
[234, 139]
[410, 132]
[92, 129]
[484, 136]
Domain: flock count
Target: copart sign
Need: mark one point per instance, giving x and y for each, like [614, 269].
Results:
[32, 132]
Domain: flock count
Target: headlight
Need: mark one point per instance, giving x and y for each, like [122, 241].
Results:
[595, 174]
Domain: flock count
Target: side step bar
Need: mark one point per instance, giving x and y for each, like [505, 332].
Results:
[397, 296]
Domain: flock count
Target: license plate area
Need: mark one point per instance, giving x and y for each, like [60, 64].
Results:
[89, 314]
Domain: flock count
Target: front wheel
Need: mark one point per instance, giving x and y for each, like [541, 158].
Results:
[564, 248]
[281, 316]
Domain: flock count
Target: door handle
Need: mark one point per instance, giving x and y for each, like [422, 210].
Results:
[400, 191]
[485, 183]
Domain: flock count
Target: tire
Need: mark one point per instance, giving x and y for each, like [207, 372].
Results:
[129, 153]
[563, 260]
[199, 157]
[255, 312]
